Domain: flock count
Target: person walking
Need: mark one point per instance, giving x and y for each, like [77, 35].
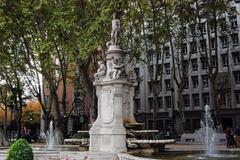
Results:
[230, 138]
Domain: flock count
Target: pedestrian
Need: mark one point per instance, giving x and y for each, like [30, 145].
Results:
[230, 138]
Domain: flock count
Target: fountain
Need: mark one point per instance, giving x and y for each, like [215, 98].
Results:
[209, 134]
[50, 137]
[206, 135]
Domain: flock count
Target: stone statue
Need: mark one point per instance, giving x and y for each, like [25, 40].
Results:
[117, 69]
[129, 69]
[115, 30]
[101, 71]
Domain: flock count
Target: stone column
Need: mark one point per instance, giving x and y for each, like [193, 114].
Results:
[115, 90]
[107, 133]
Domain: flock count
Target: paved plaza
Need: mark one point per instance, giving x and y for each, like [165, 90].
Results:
[76, 154]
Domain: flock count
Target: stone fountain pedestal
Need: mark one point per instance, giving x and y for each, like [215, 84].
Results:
[115, 91]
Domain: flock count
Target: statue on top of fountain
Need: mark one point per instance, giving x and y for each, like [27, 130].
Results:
[118, 63]
[115, 32]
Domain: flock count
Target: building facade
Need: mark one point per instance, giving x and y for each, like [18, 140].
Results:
[197, 91]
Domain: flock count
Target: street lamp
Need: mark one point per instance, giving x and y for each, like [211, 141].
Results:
[78, 103]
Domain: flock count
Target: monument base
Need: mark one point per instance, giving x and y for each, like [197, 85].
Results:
[107, 139]
[102, 156]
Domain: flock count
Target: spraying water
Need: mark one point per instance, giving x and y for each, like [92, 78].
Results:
[209, 132]
[50, 136]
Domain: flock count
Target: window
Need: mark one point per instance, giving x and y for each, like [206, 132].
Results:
[202, 28]
[205, 97]
[188, 124]
[236, 58]
[150, 55]
[186, 85]
[186, 100]
[233, 21]
[221, 99]
[150, 87]
[213, 43]
[160, 102]
[159, 69]
[224, 60]
[167, 68]
[168, 101]
[195, 81]
[204, 63]
[237, 96]
[205, 81]
[213, 61]
[203, 45]
[194, 65]
[150, 103]
[168, 84]
[237, 77]
[224, 42]
[137, 104]
[196, 124]
[150, 70]
[168, 125]
[184, 49]
[235, 39]
[185, 65]
[160, 125]
[193, 47]
[195, 99]
[167, 52]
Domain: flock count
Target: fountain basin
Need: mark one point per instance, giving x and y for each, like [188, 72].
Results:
[182, 152]
[181, 155]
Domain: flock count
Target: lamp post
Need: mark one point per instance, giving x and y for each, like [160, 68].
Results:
[78, 103]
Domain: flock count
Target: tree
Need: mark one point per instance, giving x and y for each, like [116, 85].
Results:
[184, 21]
[214, 14]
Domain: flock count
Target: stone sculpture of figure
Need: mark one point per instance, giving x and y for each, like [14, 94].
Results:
[101, 71]
[129, 69]
[117, 69]
[115, 30]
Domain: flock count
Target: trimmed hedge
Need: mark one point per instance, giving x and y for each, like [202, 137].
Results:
[20, 150]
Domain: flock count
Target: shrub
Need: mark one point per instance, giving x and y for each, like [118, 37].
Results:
[80, 135]
[20, 150]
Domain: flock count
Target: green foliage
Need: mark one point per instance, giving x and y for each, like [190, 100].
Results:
[20, 150]
[80, 135]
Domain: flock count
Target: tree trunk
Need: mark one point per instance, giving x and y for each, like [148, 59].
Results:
[3, 140]
[5, 120]
[181, 111]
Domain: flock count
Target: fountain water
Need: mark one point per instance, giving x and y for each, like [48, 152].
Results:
[209, 132]
[50, 136]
